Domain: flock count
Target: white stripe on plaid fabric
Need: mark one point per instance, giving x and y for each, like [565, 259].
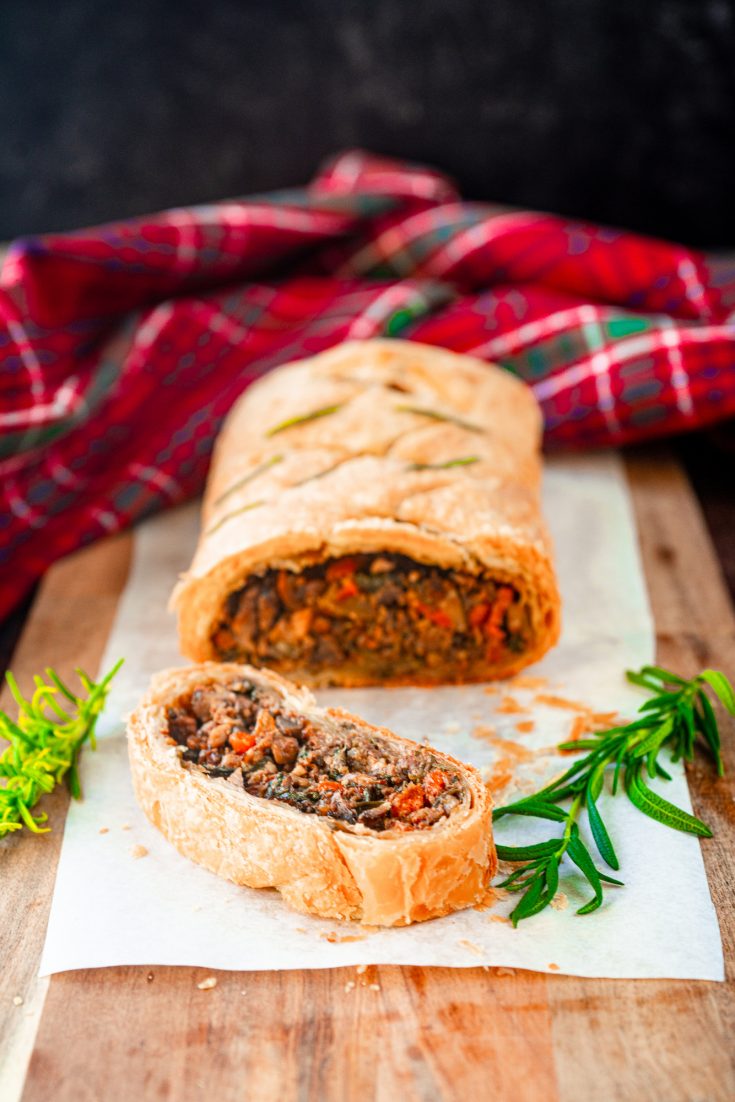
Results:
[151, 327]
[224, 325]
[371, 321]
[67, 399]
[679, 377]
[532, 331]
[693, 287]
[246, 214]
[152, 476]
[423, 183]
[28, 359]
[474, 238]
[106, 519]
[394, 244]
[183, 220]
[600, 364]
[391, 245]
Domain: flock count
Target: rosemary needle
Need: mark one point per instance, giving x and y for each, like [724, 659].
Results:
[254, 473]
[463, 461]
[303, 418]
[437, 415]
[44, 743]
[678, 717]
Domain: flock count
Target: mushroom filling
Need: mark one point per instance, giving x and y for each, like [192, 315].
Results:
[344, 773]
[385, 615]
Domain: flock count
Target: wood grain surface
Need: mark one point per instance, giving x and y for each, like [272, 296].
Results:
[388, 1033]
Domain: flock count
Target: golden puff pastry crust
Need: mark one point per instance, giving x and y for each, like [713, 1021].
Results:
[320, 866]
[376, 446]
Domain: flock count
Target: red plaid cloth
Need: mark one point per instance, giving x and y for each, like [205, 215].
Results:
[122, 347]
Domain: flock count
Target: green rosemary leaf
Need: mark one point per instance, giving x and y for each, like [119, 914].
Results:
[722, 687]
[707, 722]
[551, 874]
[656, 703]
[579, 744]
[437, 415]
[579, 853]
[303, 418]
[522, 853]
[666, 677]
[684, 745]
[320, 474]
[654, 740]
[599, 831]
[255, 473]
[536, 808]
[519, 880]
[529, 901]
[661, 772]
[464, 461]
[653, 805]
[642, 681]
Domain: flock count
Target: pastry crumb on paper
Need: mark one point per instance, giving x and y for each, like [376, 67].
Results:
[138, 851]
[509, 706]
[526, 681]
[339, 939]
[471, 947]
[560, 902]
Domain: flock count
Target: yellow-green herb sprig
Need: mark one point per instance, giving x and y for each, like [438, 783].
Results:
[44, 743]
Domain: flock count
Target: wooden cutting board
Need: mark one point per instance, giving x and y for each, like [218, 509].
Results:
[389, 1033]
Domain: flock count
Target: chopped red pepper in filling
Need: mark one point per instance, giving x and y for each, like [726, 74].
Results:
[344, 773]
[382, 616]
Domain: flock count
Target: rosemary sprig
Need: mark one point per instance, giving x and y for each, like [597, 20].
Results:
[678, 717]
[303, 418]
[256, 471]
[44, 744]
[437, 415]
[463, 461]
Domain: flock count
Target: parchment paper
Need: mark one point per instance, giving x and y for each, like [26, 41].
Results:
[111, 907]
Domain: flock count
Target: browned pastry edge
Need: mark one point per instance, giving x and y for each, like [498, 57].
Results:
[320, 867]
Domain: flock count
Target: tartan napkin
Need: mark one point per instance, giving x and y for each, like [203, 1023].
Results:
[122, 347]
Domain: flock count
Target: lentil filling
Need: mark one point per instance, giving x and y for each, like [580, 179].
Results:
[384, 615]
[243, 731]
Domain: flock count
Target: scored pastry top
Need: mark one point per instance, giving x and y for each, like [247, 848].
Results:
[375, 433]
[374, 447]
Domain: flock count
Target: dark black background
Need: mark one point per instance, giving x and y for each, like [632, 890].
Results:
[615, 110]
